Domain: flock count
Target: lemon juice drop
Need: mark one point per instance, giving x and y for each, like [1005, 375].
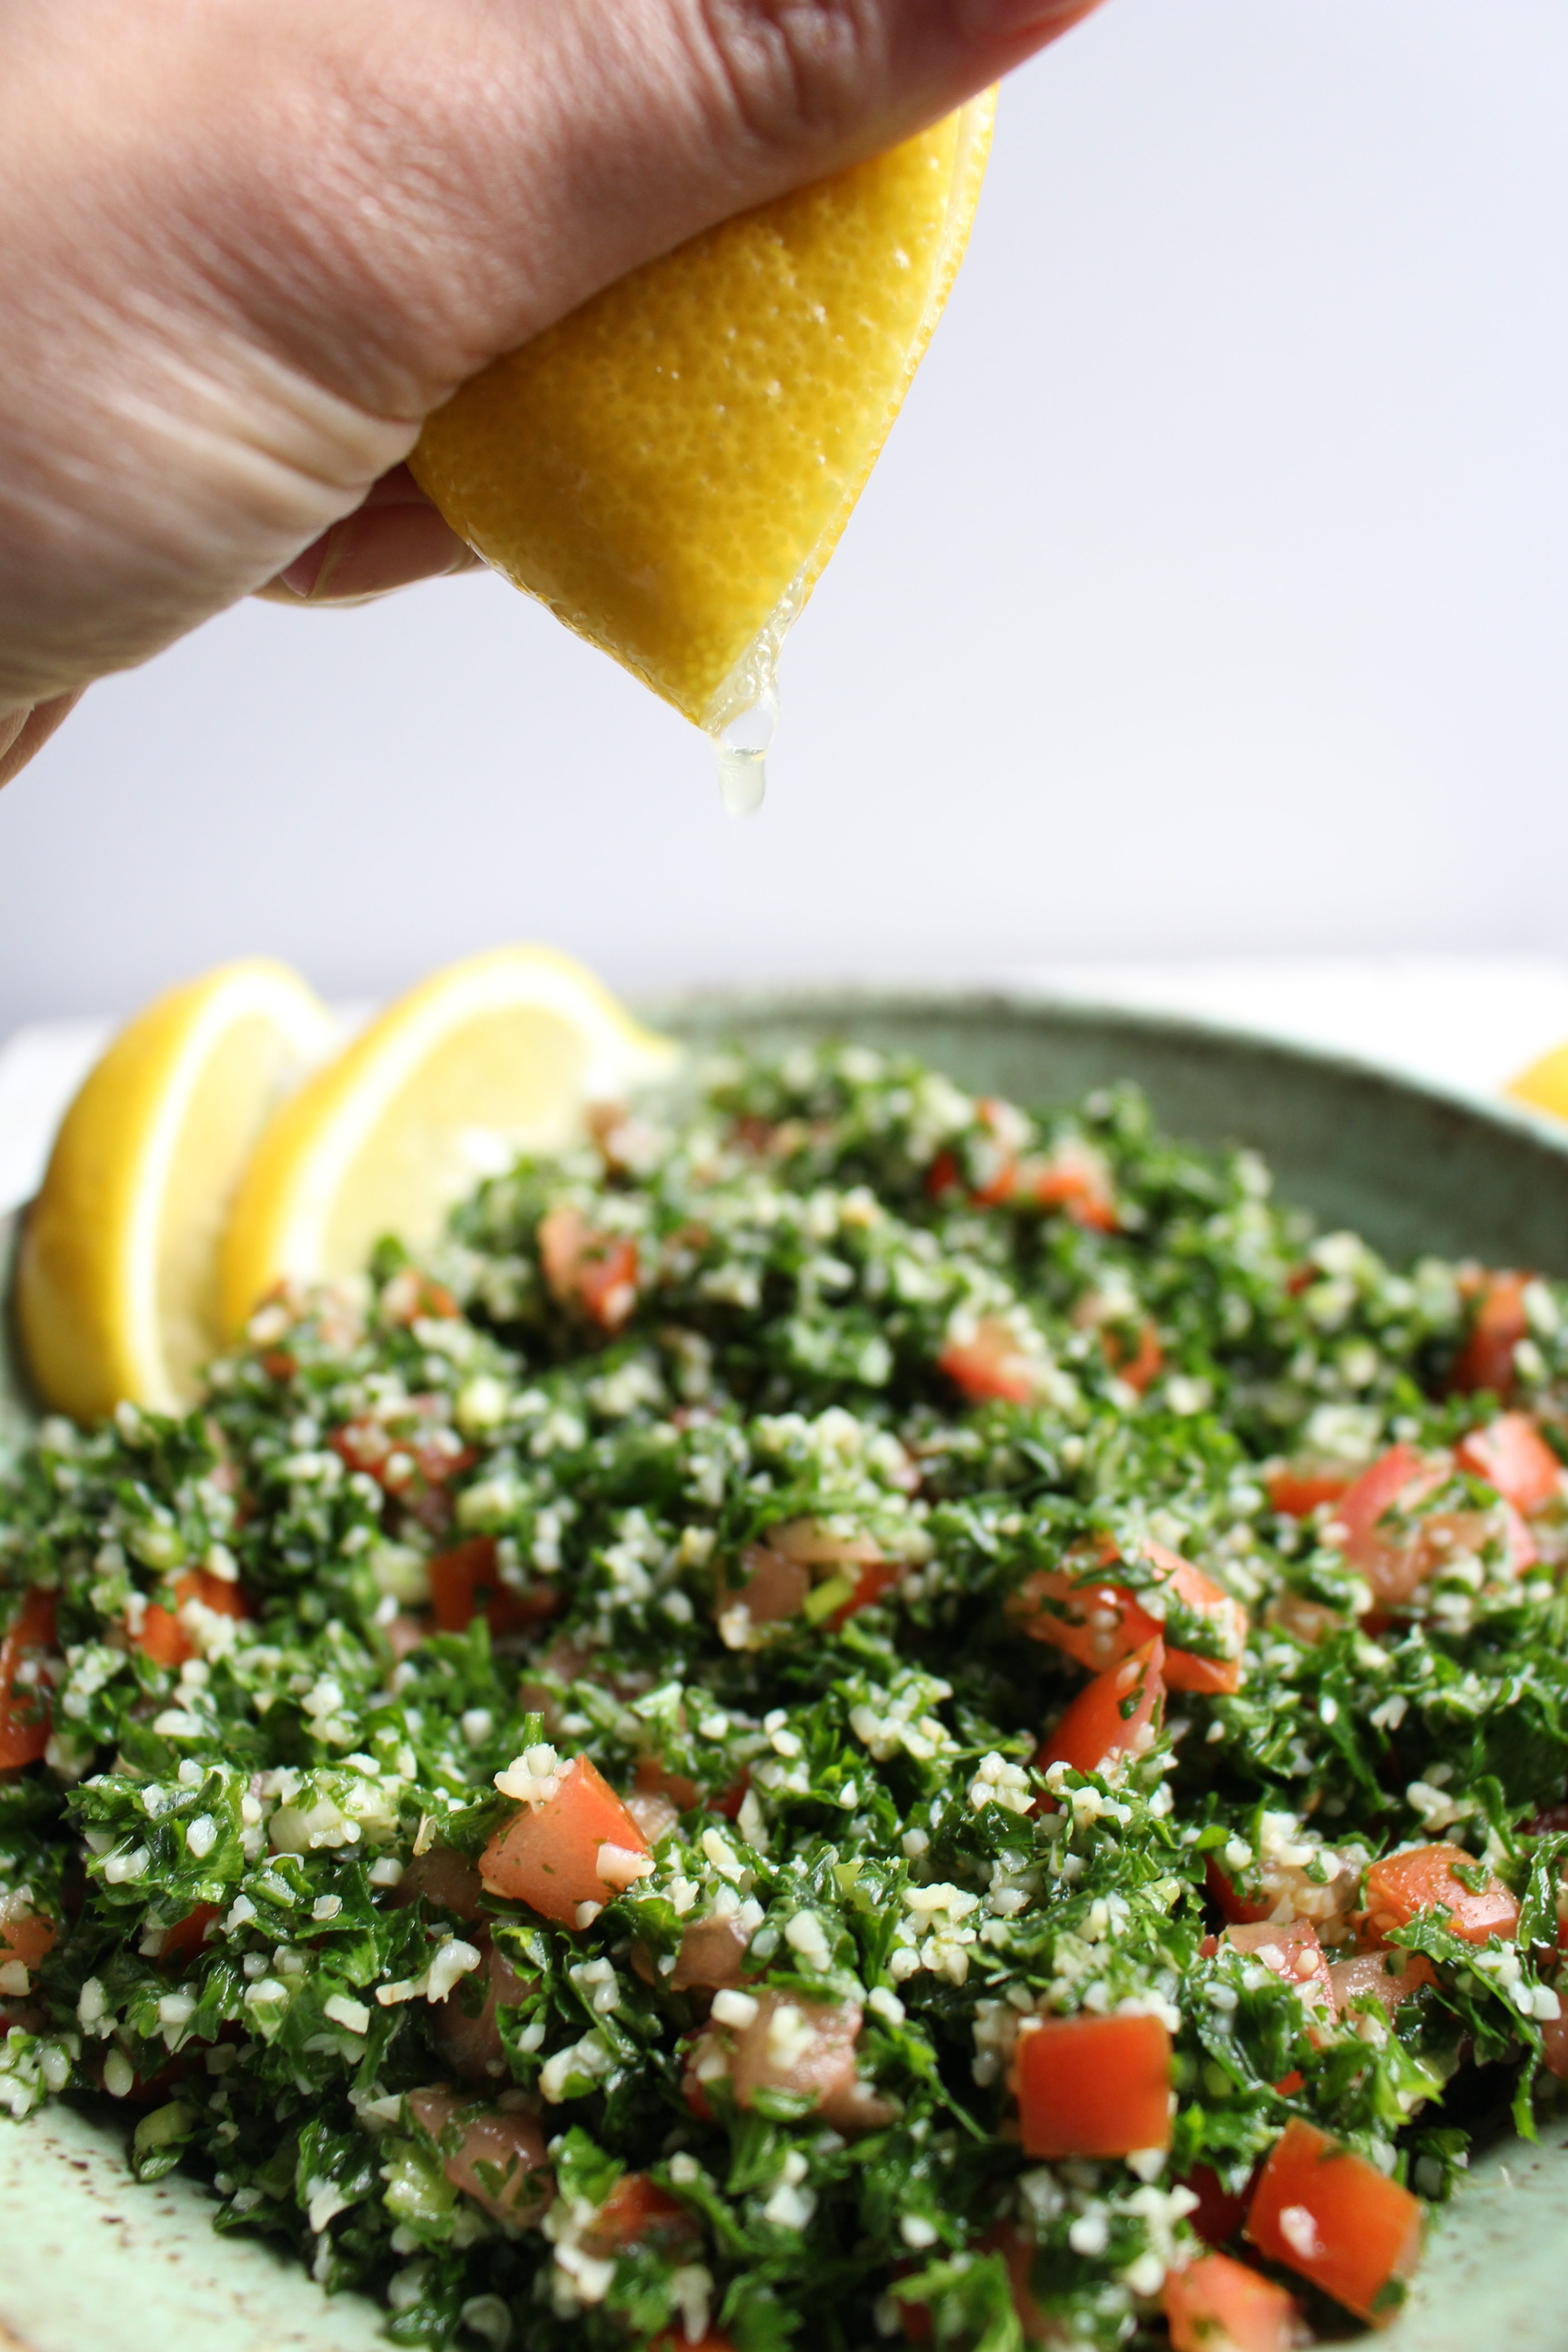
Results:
[742, 748]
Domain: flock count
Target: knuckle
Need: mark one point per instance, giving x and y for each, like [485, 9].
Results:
[798, 74]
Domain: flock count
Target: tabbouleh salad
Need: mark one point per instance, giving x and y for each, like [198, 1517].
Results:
[852, 1715]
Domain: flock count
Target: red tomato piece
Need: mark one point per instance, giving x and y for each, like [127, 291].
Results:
[636, 2211]
[774, 1591]
[164, 1639]
[877, 1577]
[1401, 1884]
[25, 1714]
[1093, 2086]
[989, 1364]
[1554, 2045]
[1292, 1950]
[943, 1177]
[1076, 1180]
[412, 1297]
[549, 1855]
[25, 1935]
[1005, 1127]
[1485, 1359]
[1100, 1624]
[518, 2187]
[1392, 1557]
[466, 1582]
[1112, 1715]
[1325, 2213]
[1145, 1363]
[185, 1939]
[806, 2047]
[1298, 1487]
[1237, 1906]
[1216, 2304]
[1388, 1977]
[1511, 1454]
[592, 1271]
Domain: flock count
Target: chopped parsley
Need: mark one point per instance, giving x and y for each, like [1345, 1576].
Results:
[773, 1456]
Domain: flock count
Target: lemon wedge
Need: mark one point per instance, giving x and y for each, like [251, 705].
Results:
[493, 1055]
[669, 467]
[1544, 1085]
[116, 1278]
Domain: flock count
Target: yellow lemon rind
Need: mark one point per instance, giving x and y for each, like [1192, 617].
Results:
[285, 1208]
[87, 1273]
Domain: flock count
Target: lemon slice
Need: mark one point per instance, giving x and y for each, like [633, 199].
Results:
[117, 1279]
[669, 467]
[493, 1055]
[1544, 1085]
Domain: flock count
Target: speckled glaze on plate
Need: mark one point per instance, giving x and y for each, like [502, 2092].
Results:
[91, 2263]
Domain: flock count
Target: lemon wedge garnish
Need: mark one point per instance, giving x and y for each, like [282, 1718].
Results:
[116, 1278]
[669, 467]
[1544, 1085]
[493, 1056]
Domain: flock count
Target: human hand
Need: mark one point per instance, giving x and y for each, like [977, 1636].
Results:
[245, 246]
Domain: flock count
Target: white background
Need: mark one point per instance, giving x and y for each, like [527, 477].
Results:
[1210, 598]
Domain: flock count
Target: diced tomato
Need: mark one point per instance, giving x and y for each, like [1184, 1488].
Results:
[773, 1590]
[805, 2047]
[25, 1935]
[877, 1576]
[445, 1879]
[1393, 1560]
[1093, 2086]
[596, 1271]
[412, 1298]
[1112, 1715]
[1292, 1950]
[943, 1177]
[185, 1939]
[1076, 1180]
[1145, 1363]
[164, 1639]
[433, 1455]
[855, 1562]
[1500, 1323]
[636, 2212]
[1388, 1977]
[495, 2142]
[1554, 2045]
[1244, 1909]
[1511, 1454]
[1216, 2304]
[1299, 1486]
[24, 1713]
[1403, 1885]
[471, 2045]
[466, 1582]
[990, 1364]
[1325, 2213]
[552, 1855]
[1099, 1624]
[1006, 1129]
[1219, 2214]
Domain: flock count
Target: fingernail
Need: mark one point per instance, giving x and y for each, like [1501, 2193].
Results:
[303, 575]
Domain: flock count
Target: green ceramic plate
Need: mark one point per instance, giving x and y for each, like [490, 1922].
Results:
[90, 2262]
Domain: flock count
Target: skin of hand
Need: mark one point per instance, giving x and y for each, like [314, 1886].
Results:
[246, 246]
